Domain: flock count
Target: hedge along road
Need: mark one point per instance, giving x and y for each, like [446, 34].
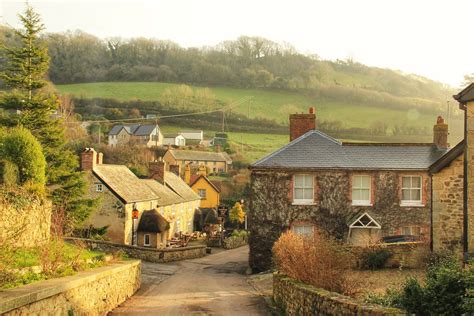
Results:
[215, 285]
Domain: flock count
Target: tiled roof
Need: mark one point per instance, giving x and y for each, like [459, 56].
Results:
[320, 151]
[133, 129]
[180, 187]
[165, 194]
[448, 157]
[200, 155]
[124, 183]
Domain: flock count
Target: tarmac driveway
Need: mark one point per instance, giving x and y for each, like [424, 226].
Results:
[212, 285]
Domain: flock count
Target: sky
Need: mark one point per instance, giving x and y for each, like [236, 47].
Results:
[428, 38]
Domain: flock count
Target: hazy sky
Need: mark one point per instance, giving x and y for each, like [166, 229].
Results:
[430, 38]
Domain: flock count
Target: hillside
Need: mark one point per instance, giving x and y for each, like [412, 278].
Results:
[334, 114]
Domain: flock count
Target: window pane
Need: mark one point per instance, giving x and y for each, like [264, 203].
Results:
[406, 194]
[308, 194]
[298, 181]
[406, 182]
[356, 194]
[416, 182]
[365, 195]
[415, 195]
[365, 182]
[299, 194]
[308, 181]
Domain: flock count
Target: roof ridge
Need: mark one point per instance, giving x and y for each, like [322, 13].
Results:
[328, 137]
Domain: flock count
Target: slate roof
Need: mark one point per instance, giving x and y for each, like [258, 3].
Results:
[180, 187]
[165, 194]
[133, 129]
[316, 150]
[154, 222]
[200, 155]
[448, 157]
[124, 183]
[466, 95]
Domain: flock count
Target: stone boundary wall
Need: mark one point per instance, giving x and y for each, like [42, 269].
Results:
[144, 253]
[404, 254]
[26, 225]
[92, 292]
[296, 298]
[235, 242]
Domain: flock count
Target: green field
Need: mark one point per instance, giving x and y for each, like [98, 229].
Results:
[264, 103]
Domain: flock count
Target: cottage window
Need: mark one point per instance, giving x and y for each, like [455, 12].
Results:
[361, 194]
[305, 229]
[202, 193]
[99, 187]
[411, 230]
[146, 240]
[303, 191]
[411, 190]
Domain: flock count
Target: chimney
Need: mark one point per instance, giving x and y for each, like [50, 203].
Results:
[218, 148]
[156, 170]
[302, 123]
[88, 159]
[187, 174]
[100, 158]
[175, 169]
[202, 171]
[440, 133]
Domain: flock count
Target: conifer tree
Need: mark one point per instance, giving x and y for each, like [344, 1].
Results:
[25, 75]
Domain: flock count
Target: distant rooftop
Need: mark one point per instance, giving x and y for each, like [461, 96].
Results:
[194, 155]
[133, 129]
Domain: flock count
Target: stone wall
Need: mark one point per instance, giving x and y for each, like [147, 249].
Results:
[296, 298]
[271, 210]
[404, 254]
[25, 220]
[145, 253]
[448, 207]
[235, 242]
[93, 292]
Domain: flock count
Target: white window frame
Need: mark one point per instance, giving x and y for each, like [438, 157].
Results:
[99, 187]
[305, 226]
[411, 202]
[361, 202]
[144, 240]
[203, 197]
[303, 201]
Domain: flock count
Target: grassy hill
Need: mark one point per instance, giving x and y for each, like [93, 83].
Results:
[276, 105]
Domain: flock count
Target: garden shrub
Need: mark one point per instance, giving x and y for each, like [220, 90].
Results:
[21, 148]
[317, 260]
[373, 258]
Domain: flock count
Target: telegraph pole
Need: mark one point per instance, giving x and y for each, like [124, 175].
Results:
[99, 133]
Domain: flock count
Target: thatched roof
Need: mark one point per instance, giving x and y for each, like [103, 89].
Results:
[152, 221]
[124, 183]
[211, 217]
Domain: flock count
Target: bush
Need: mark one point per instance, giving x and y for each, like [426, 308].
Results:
[374, 258]
[316, 260]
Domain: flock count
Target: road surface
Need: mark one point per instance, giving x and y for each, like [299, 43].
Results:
[212, 285]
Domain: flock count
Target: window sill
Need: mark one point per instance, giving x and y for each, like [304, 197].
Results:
[303, 203]
[362, 204]
[412, 205]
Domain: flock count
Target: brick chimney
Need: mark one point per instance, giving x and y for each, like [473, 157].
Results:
[175, 169]
[100, 158]
[156, 170]
[187, 174]
[302, 123]
[88, 159]
[440, 133]
[202, 171]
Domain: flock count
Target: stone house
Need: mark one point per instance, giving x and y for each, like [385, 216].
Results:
[216, 162]
[453, 188]
[358, 192]
[136, 134]
[120, 192]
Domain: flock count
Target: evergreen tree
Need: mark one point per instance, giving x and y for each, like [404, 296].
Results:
[25, 75]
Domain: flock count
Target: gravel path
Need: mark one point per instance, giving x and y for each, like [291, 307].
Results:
[213, 285]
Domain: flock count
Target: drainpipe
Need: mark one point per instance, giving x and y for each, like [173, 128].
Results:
[465, 189]
[431, 211]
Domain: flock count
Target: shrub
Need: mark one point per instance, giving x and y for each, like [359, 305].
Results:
[316, 260]
[374, 258]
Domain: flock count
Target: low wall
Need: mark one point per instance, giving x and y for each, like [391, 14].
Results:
[145, 253]
[92, 292]
[24, 221]
[297, 298]
[235, 242]
[404, 254]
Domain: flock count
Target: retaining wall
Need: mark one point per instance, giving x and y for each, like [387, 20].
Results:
[235, 242]
[92, 292]
[297, 298]
[145, 253]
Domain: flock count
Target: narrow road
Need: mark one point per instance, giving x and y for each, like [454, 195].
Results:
[213, 285]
